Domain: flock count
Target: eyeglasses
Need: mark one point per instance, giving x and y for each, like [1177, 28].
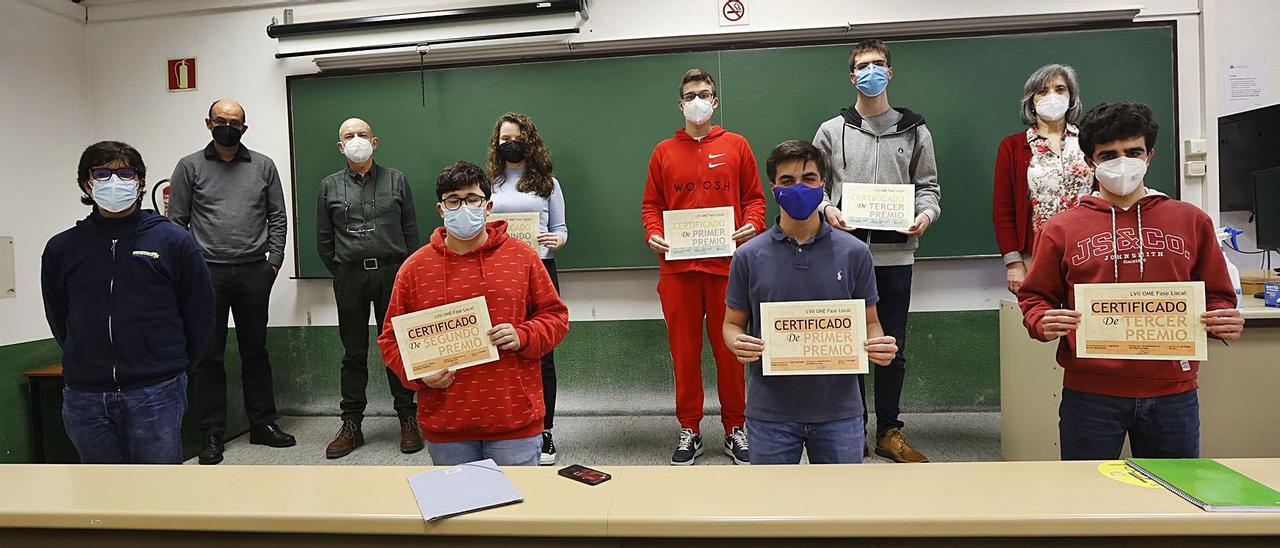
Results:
[705, 95]
[124, 173]
[878, 62]
[220, 121]
[472, 200]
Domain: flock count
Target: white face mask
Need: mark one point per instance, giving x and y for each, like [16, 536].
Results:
[698, 110]
[357, 149]
[115, 195]
[1052, 107]
[1121, 176]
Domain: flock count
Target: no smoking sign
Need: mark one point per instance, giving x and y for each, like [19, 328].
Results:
[732, 12]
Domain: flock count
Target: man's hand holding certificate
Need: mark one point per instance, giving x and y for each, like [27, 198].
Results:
[699, 233]
[878, 207]
[1142, 321]
[447, 337]
[814, 337]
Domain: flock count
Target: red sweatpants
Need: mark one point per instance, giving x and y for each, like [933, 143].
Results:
[687, 298]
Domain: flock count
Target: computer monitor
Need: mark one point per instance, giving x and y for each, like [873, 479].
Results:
[1247, 142]
[1266, 208]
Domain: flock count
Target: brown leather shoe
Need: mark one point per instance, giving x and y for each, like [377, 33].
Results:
[410, 439]
[893, 445]
[348, 439]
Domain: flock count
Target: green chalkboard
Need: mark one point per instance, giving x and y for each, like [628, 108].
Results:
[602, 117]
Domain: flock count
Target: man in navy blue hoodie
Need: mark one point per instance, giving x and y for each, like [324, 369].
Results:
[128, 298]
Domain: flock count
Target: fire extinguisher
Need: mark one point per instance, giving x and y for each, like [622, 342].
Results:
[182, 74]
[160, 197]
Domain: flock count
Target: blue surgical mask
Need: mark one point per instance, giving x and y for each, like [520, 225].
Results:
[464, 223]
[799, 201]
[872, 80]
[115, 194]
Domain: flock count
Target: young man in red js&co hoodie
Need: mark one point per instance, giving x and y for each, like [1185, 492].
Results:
[1125, 232]
[702, 166]
[494, 410]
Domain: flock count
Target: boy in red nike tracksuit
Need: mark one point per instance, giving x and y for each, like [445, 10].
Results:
[701, 166]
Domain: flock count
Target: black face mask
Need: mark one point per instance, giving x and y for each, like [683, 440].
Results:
[226, 136]
[512, 151]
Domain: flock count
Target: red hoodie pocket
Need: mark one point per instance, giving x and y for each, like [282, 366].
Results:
[485, 399]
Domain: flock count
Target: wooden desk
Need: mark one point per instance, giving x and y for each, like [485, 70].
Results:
[1237, 390]
[374, 504]
[49, 373]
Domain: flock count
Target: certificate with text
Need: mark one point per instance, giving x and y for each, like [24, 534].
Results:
[814, 337]
[521, 226]
[699, 233]
[878, 207]
[1141, 321]
[450, 336]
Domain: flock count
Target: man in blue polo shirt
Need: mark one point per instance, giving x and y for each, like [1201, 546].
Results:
[801, 259]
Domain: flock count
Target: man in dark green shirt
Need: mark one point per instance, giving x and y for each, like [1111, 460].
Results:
[365, 227]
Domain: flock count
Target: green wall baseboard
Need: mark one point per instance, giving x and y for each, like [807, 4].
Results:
[602, 368]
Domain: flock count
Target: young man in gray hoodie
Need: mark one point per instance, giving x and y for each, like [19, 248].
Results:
[871, 142]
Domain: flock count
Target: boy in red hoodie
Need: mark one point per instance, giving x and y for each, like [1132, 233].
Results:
[494, 410]
[1125, 233]
[701, 166]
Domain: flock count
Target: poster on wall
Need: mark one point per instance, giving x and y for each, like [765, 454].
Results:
[181, 74]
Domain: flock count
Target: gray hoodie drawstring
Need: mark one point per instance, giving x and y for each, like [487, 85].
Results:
[844, 161]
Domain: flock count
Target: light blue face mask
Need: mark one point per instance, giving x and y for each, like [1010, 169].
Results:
[115, 194]
[464, 223]
[872, 80]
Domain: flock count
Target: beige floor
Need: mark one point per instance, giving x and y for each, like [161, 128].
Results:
[632, 440]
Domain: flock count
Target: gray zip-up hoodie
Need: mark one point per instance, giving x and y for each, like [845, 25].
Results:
[903, 154]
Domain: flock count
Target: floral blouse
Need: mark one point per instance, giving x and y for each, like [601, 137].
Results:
[1055, 182]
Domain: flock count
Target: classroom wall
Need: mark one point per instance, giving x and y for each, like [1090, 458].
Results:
[1239, 31]
[237, 60]
[44, 103]
[122, 51]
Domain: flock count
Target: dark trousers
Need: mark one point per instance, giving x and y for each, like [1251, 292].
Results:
[139, 426]
[549, 361]
[1093, 426]
[242, 290]
[354, 288]
[893, 284]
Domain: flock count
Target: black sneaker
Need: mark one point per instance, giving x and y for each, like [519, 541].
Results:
[735, 446]
[689, 448]
[211, 452]
[548, 455]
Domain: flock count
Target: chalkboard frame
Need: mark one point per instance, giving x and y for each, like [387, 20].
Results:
[290, 80]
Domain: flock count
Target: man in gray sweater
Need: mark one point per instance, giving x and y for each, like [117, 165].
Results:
[231, 199]
[871, 142]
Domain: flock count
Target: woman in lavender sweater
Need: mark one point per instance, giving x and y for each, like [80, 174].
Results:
[520, 167]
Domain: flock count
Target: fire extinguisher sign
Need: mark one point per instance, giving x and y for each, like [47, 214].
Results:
[182, 74]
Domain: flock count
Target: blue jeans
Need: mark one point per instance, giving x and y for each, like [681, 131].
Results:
[139, 426]
[517, 452]
[1093, 426]
[832, 442]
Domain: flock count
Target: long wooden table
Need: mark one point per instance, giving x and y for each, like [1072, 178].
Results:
[250, 505]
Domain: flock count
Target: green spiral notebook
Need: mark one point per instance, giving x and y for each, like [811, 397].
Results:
[1210, 485]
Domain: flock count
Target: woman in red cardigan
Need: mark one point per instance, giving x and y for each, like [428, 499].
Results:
[1040, 171]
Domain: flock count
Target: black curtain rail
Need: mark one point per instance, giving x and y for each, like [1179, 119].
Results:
[352, 49]
[429, 17]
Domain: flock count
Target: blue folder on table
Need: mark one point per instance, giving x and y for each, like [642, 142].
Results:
[461, 489]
